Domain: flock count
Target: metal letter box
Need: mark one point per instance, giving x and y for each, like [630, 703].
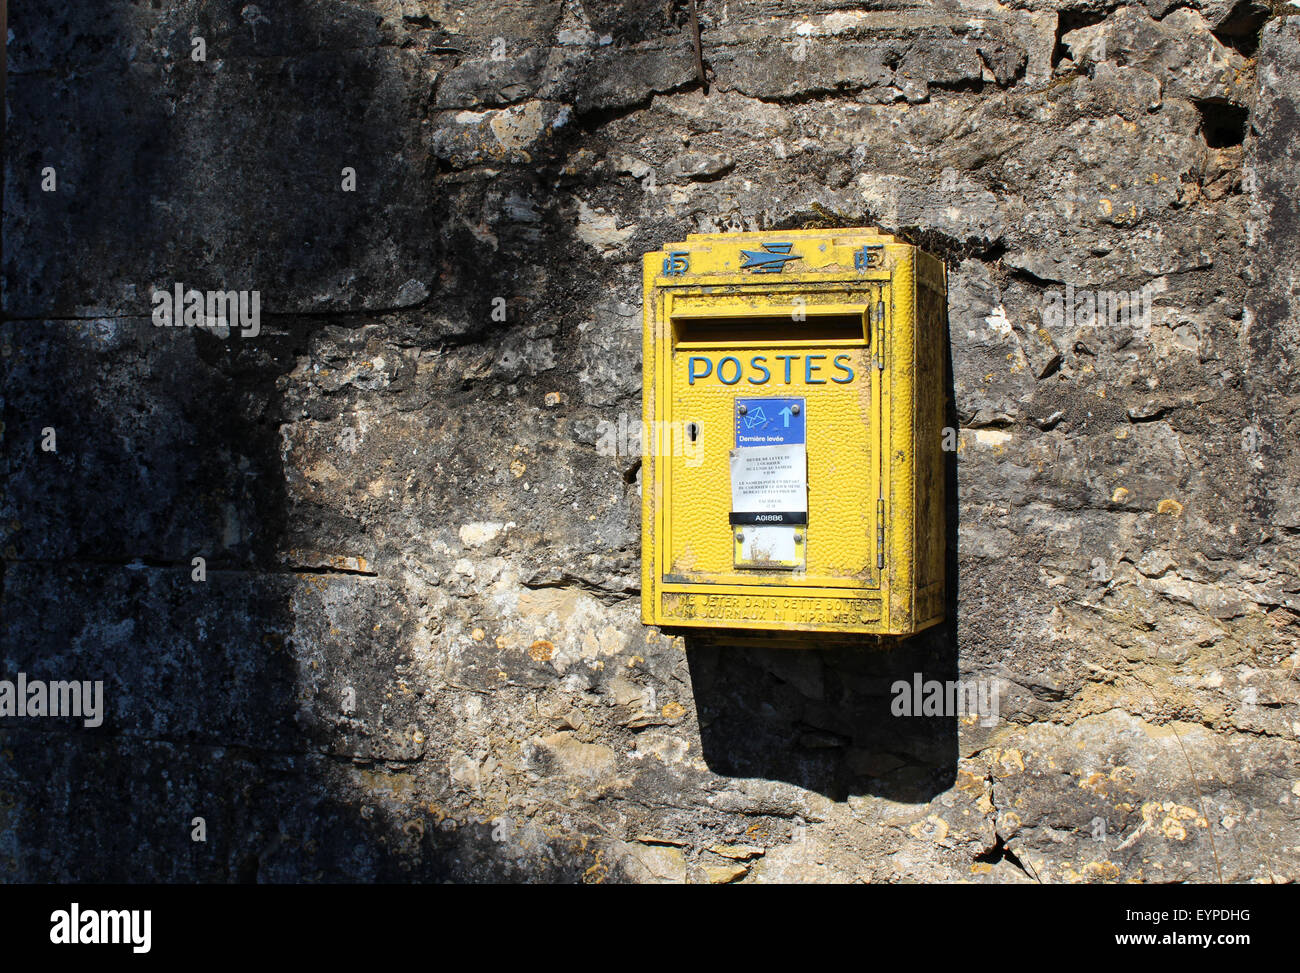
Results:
[792, 462]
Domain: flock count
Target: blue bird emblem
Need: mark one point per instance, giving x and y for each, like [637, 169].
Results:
[770, 260]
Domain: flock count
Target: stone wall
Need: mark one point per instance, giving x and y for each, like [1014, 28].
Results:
[416, 650]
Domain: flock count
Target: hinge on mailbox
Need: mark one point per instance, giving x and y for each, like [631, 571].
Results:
[880, 533]
[880, 335]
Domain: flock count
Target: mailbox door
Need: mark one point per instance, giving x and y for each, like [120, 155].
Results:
[746, 344]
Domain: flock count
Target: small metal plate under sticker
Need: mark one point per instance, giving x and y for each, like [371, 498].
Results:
[769, 547]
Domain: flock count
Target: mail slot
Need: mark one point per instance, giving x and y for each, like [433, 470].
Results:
[792, 468]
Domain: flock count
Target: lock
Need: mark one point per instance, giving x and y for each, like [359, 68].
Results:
[816, 360]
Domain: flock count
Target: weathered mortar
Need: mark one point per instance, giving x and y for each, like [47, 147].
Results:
[417, 653]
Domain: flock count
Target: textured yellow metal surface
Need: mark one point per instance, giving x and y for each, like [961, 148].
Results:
[796, 314]
[698, 496]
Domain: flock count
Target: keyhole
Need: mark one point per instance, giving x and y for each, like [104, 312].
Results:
[692, 431]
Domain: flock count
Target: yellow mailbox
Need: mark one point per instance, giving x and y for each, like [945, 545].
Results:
[792, 456]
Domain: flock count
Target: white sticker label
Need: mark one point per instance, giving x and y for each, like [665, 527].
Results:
[769, 479]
